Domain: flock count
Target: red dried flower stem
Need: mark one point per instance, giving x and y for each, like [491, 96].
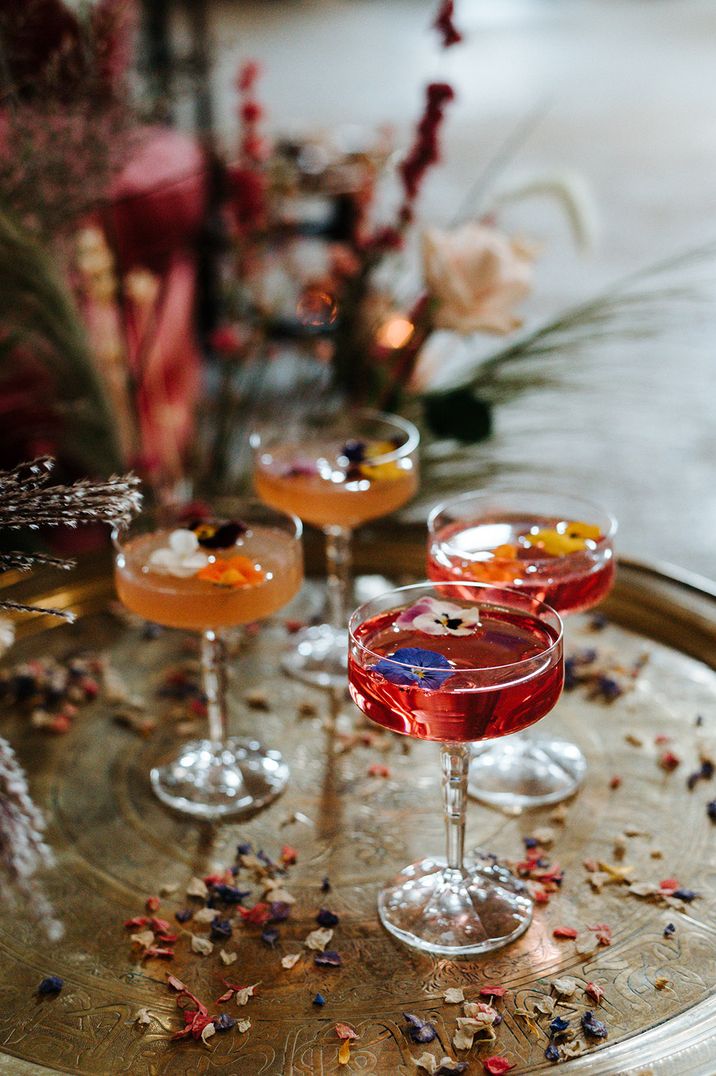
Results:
[445, 25]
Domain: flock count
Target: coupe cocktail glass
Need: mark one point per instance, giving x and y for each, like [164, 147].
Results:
[455, 664]
[557, 548]
[206, 575]
[336, 473]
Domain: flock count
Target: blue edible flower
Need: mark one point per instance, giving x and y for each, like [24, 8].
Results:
[51, 985]
[558, 1024]
[552, 1052]
[413, 666]
[319, 1000]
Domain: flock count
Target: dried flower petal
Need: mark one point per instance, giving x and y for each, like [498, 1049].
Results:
[290, 960]
[454, 995]
[594, 992]
[564, 932]
[344, 1054]
[328, 959]
[319, 1000]
[207, 1031]
[143, 1017]
[428, 1062]
[591, 1026]
[201, 945]
[419, 1030]
[244, 993]
[497, 1065]
[565, 986]
[318, 939]
[228, 958]
[243, 1026]
[493, 991]
[197, 888]
[51, 985]
[326, 918]
[345, 1031]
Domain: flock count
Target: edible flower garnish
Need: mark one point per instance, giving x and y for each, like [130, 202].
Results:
[213, 535]
[434, 617]
[181, 558]
[234, 572]
[412, 666]
[563, 539]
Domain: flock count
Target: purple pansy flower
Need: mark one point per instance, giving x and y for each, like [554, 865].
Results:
[411, 666]
[434, 617]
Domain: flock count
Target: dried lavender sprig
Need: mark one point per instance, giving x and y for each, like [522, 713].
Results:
[22, 849]
[24, 562]
[18, 607]
[31, 503]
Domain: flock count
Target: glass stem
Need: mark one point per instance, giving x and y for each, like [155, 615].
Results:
[455, 759]
[339, 562]
[213, 679]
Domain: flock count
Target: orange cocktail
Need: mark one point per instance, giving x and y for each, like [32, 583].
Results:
[257, 575]
[336, 473]
[206, 575]
[328, 483]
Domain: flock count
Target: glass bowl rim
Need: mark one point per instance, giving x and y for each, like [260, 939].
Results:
[353, 624]
[409, 428]
[120, 533]
[604, 542]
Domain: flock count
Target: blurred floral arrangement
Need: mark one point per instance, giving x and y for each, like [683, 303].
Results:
[325, 280]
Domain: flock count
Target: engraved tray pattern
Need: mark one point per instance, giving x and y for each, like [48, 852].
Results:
[115, 844]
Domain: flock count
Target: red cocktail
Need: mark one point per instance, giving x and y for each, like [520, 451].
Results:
[456, 663]
[559, 549]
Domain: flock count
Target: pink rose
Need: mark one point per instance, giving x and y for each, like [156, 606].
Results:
[475, 275]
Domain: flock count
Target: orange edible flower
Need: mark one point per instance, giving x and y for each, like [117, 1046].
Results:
[234, 572]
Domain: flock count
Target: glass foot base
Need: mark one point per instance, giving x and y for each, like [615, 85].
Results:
[319, 656]
[455, 913]
[212, 781]
[522, 772]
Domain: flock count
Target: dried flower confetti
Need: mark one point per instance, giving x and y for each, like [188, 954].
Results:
[143, 1017]
[243, 1026]
[328, 959]
[228, 958]
[493, 991]
[594, 992]
[290, 960]
[497, 1065]
[593, 1027]
[565, 986]
[661, 982]
[345, 1031]
[318, 939]
[319, 1001]
[51, 985]
[197, 888]
[420, 1031]
[344, 1054]
[201, 945]
[564, 932]
[454, 995]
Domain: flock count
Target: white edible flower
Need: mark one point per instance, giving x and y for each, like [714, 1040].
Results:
[181, 558]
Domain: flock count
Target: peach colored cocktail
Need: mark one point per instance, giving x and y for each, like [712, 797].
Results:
[206, 575]
[330, 484]
[335, 472]
[249, 580]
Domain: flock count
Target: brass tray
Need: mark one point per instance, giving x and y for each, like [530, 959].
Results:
[115, 844]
